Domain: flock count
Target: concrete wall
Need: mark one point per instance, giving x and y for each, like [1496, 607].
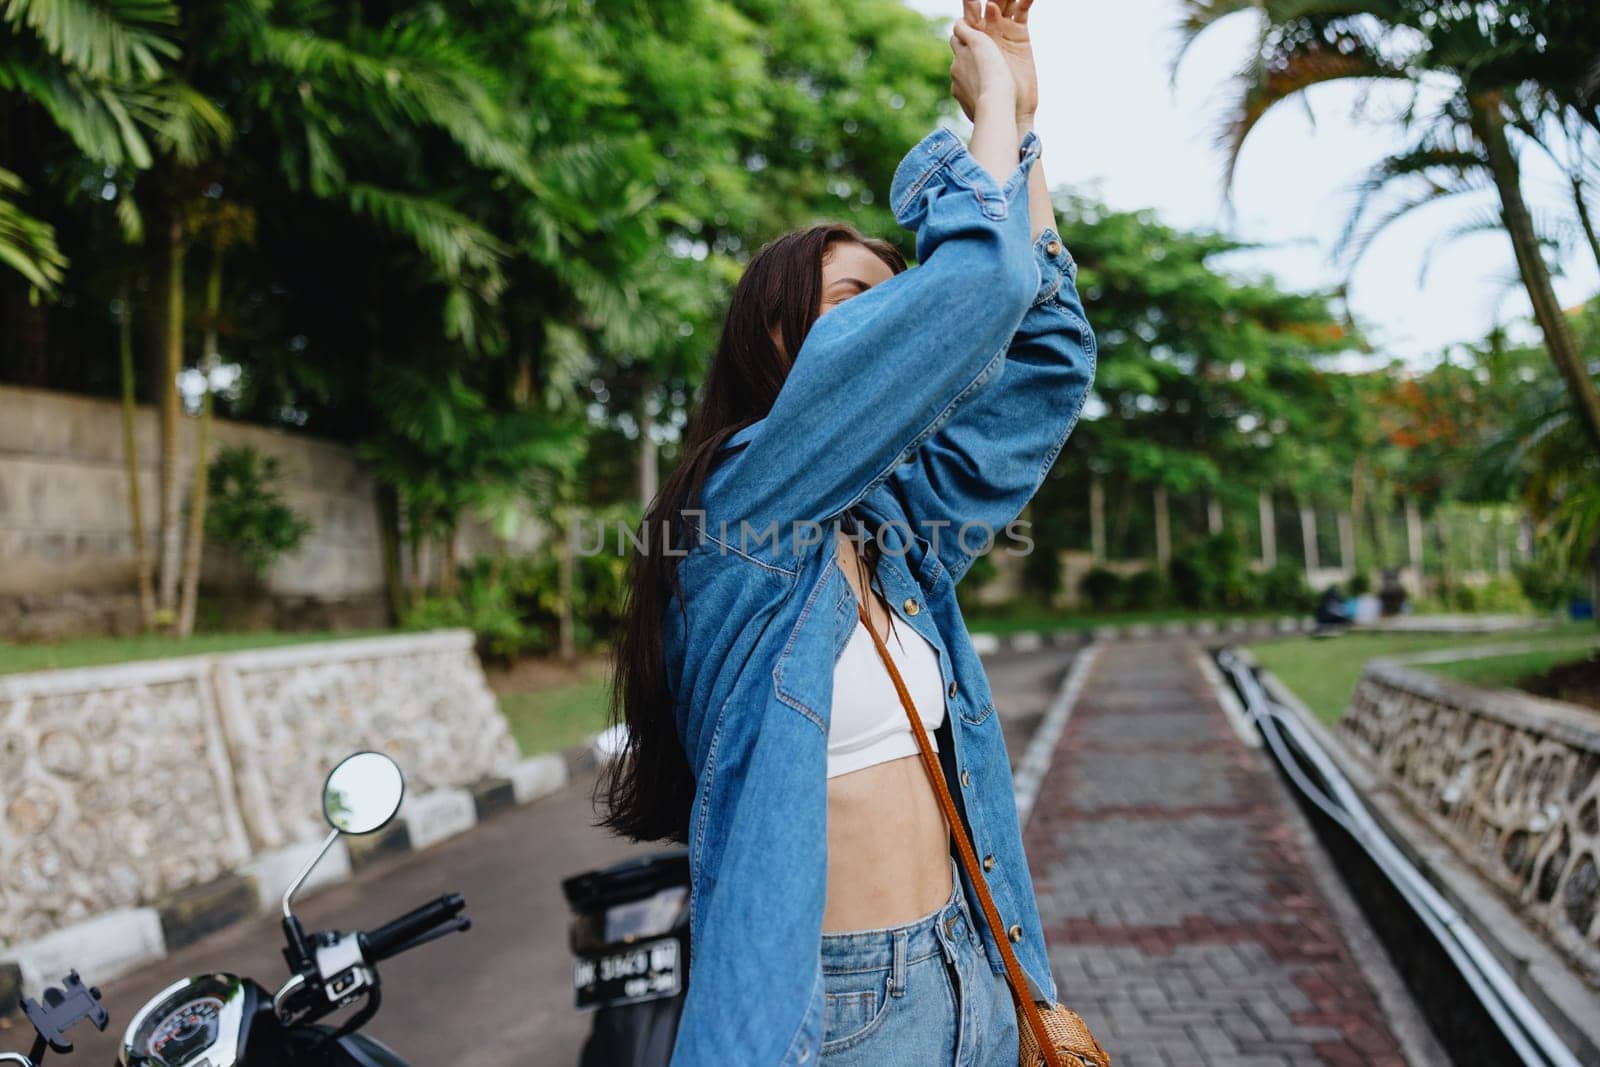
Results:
[1510, 781]
[128, 784]
[66, 542]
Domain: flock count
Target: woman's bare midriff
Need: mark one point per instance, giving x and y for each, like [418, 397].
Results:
[888, 844]
[888, 847]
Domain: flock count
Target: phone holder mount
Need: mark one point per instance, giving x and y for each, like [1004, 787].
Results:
[63, 1009]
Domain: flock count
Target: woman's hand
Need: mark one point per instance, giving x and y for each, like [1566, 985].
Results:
[980, 76]
[1005, 22]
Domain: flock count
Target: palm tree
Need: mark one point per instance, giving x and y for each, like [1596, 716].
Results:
[1485, 62]
[100, 73]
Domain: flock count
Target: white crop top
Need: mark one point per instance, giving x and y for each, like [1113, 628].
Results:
[868, 723]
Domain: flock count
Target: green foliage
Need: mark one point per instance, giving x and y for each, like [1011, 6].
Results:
[1548, 587]
[1144, 590]
[1214, 574]
[1102, 588]
[485, 607]
[245, 511]
[1041, 574]
[1502, 594]
[1284, 588]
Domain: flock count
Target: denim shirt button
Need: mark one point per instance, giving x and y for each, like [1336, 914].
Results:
[952, 690]
[911, 606]
[966, 778]
[1053, 248]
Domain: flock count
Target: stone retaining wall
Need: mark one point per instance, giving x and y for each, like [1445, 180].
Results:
[1510, 781]
[123, 785]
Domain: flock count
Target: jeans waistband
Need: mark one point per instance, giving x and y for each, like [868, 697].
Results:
[886, 946]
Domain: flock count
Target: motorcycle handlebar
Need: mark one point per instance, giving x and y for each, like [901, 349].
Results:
[386, 940]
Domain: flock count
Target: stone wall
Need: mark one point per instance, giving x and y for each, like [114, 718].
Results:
[1510, 781]
[66, 537]
[126, 784]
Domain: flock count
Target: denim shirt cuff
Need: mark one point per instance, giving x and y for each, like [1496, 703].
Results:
[941, 152]
[1055, 263]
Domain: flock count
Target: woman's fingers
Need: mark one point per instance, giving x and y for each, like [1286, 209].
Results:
[1020, 11]
[972, 11]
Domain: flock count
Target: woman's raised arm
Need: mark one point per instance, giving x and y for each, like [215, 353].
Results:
[880, 374]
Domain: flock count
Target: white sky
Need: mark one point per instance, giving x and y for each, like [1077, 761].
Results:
[1112, 123]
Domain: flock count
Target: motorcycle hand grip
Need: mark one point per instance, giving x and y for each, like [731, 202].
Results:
[384, 941]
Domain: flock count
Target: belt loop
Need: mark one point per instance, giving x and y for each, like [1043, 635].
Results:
[897, 973]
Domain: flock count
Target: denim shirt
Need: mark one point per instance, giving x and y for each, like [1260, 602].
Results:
[937, 398]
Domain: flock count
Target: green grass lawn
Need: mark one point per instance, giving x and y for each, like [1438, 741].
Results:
[549, 720]
[1323, 673]
[1508, 671]
[97, 651]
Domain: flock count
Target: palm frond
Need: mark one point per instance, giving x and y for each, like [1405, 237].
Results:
[457, 246]
[115, 40]
[96, 117]
[1290, 72]
[27, 244]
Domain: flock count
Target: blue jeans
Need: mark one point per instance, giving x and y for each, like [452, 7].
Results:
[920, 994]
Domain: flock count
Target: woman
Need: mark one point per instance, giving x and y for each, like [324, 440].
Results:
[865, 432]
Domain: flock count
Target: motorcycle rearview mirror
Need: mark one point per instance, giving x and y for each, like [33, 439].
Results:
[361, 795]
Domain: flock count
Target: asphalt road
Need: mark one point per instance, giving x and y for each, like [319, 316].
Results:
[499, 995]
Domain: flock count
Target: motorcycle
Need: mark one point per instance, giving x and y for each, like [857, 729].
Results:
[63, 1008]
[630, 940]
[224, 1020]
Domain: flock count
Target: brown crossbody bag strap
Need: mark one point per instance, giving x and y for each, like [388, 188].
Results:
[1066, 1031]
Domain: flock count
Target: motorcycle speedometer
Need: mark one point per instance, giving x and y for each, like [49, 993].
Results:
[193, 1021]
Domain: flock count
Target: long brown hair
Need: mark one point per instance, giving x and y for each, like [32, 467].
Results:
[648, 787]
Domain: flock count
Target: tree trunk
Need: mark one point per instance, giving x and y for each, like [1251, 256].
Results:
[194, 547]
[1269, 530]
[1489, 123]
[649, 454]
[1163, 530]
[130, 455]
[566, 566]
[448, 583]
[1584, 218]
[171, 255]
[1308, 540]
[1097, 520]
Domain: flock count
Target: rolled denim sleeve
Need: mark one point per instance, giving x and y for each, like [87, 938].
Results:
[972, 478]
[882, 372]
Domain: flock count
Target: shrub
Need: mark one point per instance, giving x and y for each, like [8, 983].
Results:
[1284, 588]
[1547, 586]
[1360, 583]
[1041, 573]
[1102, 588]
[483, 605]
[244, 511]
[1144, 590]
[1499, 595]
[1213, 574]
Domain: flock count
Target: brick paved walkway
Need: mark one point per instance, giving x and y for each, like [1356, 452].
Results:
[1183, 917]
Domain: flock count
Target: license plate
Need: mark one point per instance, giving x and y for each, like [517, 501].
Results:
[644, 971]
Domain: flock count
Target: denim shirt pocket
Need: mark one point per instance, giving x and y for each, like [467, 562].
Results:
[806, 656]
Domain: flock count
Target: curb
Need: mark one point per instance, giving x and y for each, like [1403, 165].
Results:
[1032, 640]
[1543, 975]
[116, 942]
